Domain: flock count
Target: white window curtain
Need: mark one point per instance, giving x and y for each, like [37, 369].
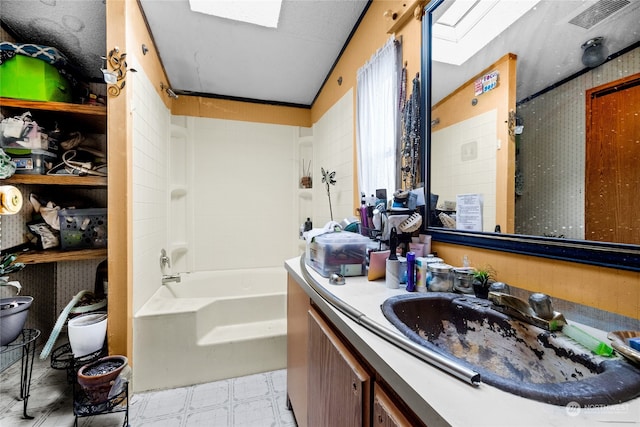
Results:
[377, 128]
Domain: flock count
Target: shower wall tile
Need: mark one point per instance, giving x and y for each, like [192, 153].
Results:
[151, 130]
[333, 141]
[242, 184]
[458, 174]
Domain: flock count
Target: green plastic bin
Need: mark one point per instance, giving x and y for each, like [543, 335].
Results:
[29, 78]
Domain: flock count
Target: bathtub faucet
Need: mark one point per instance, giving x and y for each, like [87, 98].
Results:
[168, 278]
[165, 261]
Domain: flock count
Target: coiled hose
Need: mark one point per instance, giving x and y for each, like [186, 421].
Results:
[46, 350]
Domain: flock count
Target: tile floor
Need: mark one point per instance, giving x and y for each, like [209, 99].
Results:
[251, 401]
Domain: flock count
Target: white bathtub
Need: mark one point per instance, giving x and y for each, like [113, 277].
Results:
[211, 326]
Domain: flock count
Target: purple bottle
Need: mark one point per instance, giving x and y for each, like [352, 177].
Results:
[411, 271]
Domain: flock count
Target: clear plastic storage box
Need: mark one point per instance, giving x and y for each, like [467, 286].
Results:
[31, 162]
[338, 252]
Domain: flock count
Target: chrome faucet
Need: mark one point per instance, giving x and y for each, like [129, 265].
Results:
[165, 261]
[538, 311]
[169, 278]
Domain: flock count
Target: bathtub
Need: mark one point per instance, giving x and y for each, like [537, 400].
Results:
[211, 326]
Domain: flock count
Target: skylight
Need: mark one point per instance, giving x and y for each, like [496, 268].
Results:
[265, 13]
[469, 25]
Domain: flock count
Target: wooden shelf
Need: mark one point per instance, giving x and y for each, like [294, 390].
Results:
[404, 12]
[92, 181]
[91, 110]
[94, 117]
[56, 255]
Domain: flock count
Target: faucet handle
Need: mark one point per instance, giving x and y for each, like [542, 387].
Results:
[541, 305]
[165, 261]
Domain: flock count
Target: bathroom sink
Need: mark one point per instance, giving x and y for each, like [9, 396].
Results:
[510, 354]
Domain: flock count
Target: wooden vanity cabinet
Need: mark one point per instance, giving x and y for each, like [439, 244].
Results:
[339, 386]
[298, 305]
[385, 411]
[328, 382]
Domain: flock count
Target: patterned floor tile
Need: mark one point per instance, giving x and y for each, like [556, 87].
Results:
[257, 400]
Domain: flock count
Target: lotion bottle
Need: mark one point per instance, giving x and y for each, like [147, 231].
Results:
[411, 271]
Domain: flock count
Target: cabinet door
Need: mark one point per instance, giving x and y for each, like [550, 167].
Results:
[339, 387]
[297, 343]
[385, 412]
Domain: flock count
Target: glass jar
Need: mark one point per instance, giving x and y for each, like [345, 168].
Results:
[441, 280]
[463, 280]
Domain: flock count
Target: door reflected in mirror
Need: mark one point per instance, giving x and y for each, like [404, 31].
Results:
[550, 146]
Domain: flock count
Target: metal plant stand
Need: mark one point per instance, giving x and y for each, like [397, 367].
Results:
[119, 402]
[26, 341]
[62, 358]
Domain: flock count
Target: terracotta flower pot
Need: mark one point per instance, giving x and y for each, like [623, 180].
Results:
[97, 378]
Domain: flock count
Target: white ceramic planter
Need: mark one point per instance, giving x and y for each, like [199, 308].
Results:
[87, 333]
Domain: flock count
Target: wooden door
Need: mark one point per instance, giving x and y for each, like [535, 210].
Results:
[339, 387]
[385, 412]
[612, 176]
[297, 344]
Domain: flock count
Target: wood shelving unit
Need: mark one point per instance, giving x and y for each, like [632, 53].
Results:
[89, 119]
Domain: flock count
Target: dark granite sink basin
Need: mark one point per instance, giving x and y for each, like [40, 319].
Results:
[510, 354]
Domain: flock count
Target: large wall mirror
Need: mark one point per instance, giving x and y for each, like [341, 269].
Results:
[532, 123]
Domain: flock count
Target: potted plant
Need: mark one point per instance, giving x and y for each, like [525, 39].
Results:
[482, 279]
[13, 310]
[9, 265]
[97, 378]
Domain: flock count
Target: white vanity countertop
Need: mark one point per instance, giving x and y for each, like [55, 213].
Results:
[434, 395]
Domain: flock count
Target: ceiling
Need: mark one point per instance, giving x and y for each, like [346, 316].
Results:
[215, 56]
[205, 54]
[547, 44]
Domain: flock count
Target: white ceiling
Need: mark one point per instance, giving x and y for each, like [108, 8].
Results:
[548, 46]
[216, 56]
[206, 54]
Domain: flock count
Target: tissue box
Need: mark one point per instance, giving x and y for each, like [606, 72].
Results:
[340, 252]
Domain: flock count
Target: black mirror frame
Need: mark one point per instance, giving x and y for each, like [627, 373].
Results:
[612, 255]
